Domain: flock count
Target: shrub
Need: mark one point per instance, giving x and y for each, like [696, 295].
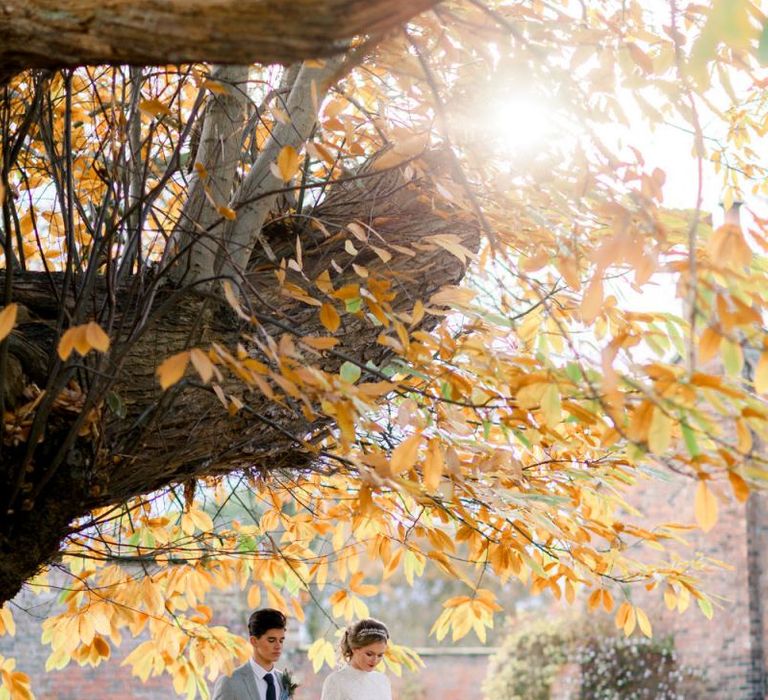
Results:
[608, 666]
[529, 660]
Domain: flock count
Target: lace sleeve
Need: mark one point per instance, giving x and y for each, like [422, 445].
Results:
[331, 689]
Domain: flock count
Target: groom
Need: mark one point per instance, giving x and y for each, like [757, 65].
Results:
[258, 679]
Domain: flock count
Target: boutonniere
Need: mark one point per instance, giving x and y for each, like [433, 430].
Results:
[288, 685]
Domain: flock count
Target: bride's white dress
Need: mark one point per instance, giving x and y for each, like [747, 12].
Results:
[349, 683]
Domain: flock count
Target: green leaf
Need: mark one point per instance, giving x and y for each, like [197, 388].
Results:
[573, 372]
[116, 404]
[350, 372]
[521, 436]
[690, 440]
[550, 405]
[353, 305]
[762, 47]
[733, 358]
[706, 607]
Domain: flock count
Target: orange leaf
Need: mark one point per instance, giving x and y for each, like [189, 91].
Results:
[629, 625]
[622, 614]
[227, 212]
[7, 319]
[154, 108]
[319, 342]
[75, 338]
[329, 317]
[644, 623]
[433, 465]
[172, 369]
[709, 344]
[739, 486]
[705, 507]
[96, 337]
[288, 162]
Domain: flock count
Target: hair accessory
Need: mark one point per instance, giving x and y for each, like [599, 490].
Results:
[373, 631]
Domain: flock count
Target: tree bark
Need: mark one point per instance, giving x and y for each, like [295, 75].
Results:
[155, 438]
[56, 34]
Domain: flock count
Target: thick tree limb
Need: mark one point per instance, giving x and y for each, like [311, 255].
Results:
[61, 33]
[201, 224]
[251, 202]
[142, 438]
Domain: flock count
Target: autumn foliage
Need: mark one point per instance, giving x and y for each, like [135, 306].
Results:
[297, 329]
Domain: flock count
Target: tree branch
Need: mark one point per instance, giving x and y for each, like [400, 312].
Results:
[52, 34]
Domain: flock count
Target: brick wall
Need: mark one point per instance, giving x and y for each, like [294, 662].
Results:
[730, 647]
[450, 674]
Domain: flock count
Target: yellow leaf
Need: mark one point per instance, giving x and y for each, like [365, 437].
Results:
[202, 364]
[172, 369]
[739, 486]
[7, 625]
[96, 337]
[384, 255]
[404, 455]
[670, 598]
[660, 431]
[593, 602]
[7, 319]
[452, 296]
[407, 148]
[288, 162]
[231, 297]
[329, 317]
[705, 507]
[761, 374]
[550, 405]
[644, 623]
[592, 301]
[607, 601]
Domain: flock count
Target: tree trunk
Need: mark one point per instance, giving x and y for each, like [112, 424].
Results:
[68, 33]
[138, 438]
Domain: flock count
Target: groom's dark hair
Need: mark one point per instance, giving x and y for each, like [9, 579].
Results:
[265, 619]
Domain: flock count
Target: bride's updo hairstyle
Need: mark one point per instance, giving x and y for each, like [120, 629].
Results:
[361, 634]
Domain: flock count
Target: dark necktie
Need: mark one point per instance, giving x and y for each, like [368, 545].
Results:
[270, 680]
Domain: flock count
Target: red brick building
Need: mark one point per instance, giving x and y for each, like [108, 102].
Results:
[732, 646]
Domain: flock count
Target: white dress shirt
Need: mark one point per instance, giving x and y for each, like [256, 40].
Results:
[259, 672]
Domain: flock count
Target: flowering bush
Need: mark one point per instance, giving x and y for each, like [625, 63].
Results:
[574, 658]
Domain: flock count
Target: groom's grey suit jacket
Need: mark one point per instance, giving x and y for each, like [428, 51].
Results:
[241, 685]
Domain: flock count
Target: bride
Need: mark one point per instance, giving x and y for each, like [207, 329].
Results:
[363, 646]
